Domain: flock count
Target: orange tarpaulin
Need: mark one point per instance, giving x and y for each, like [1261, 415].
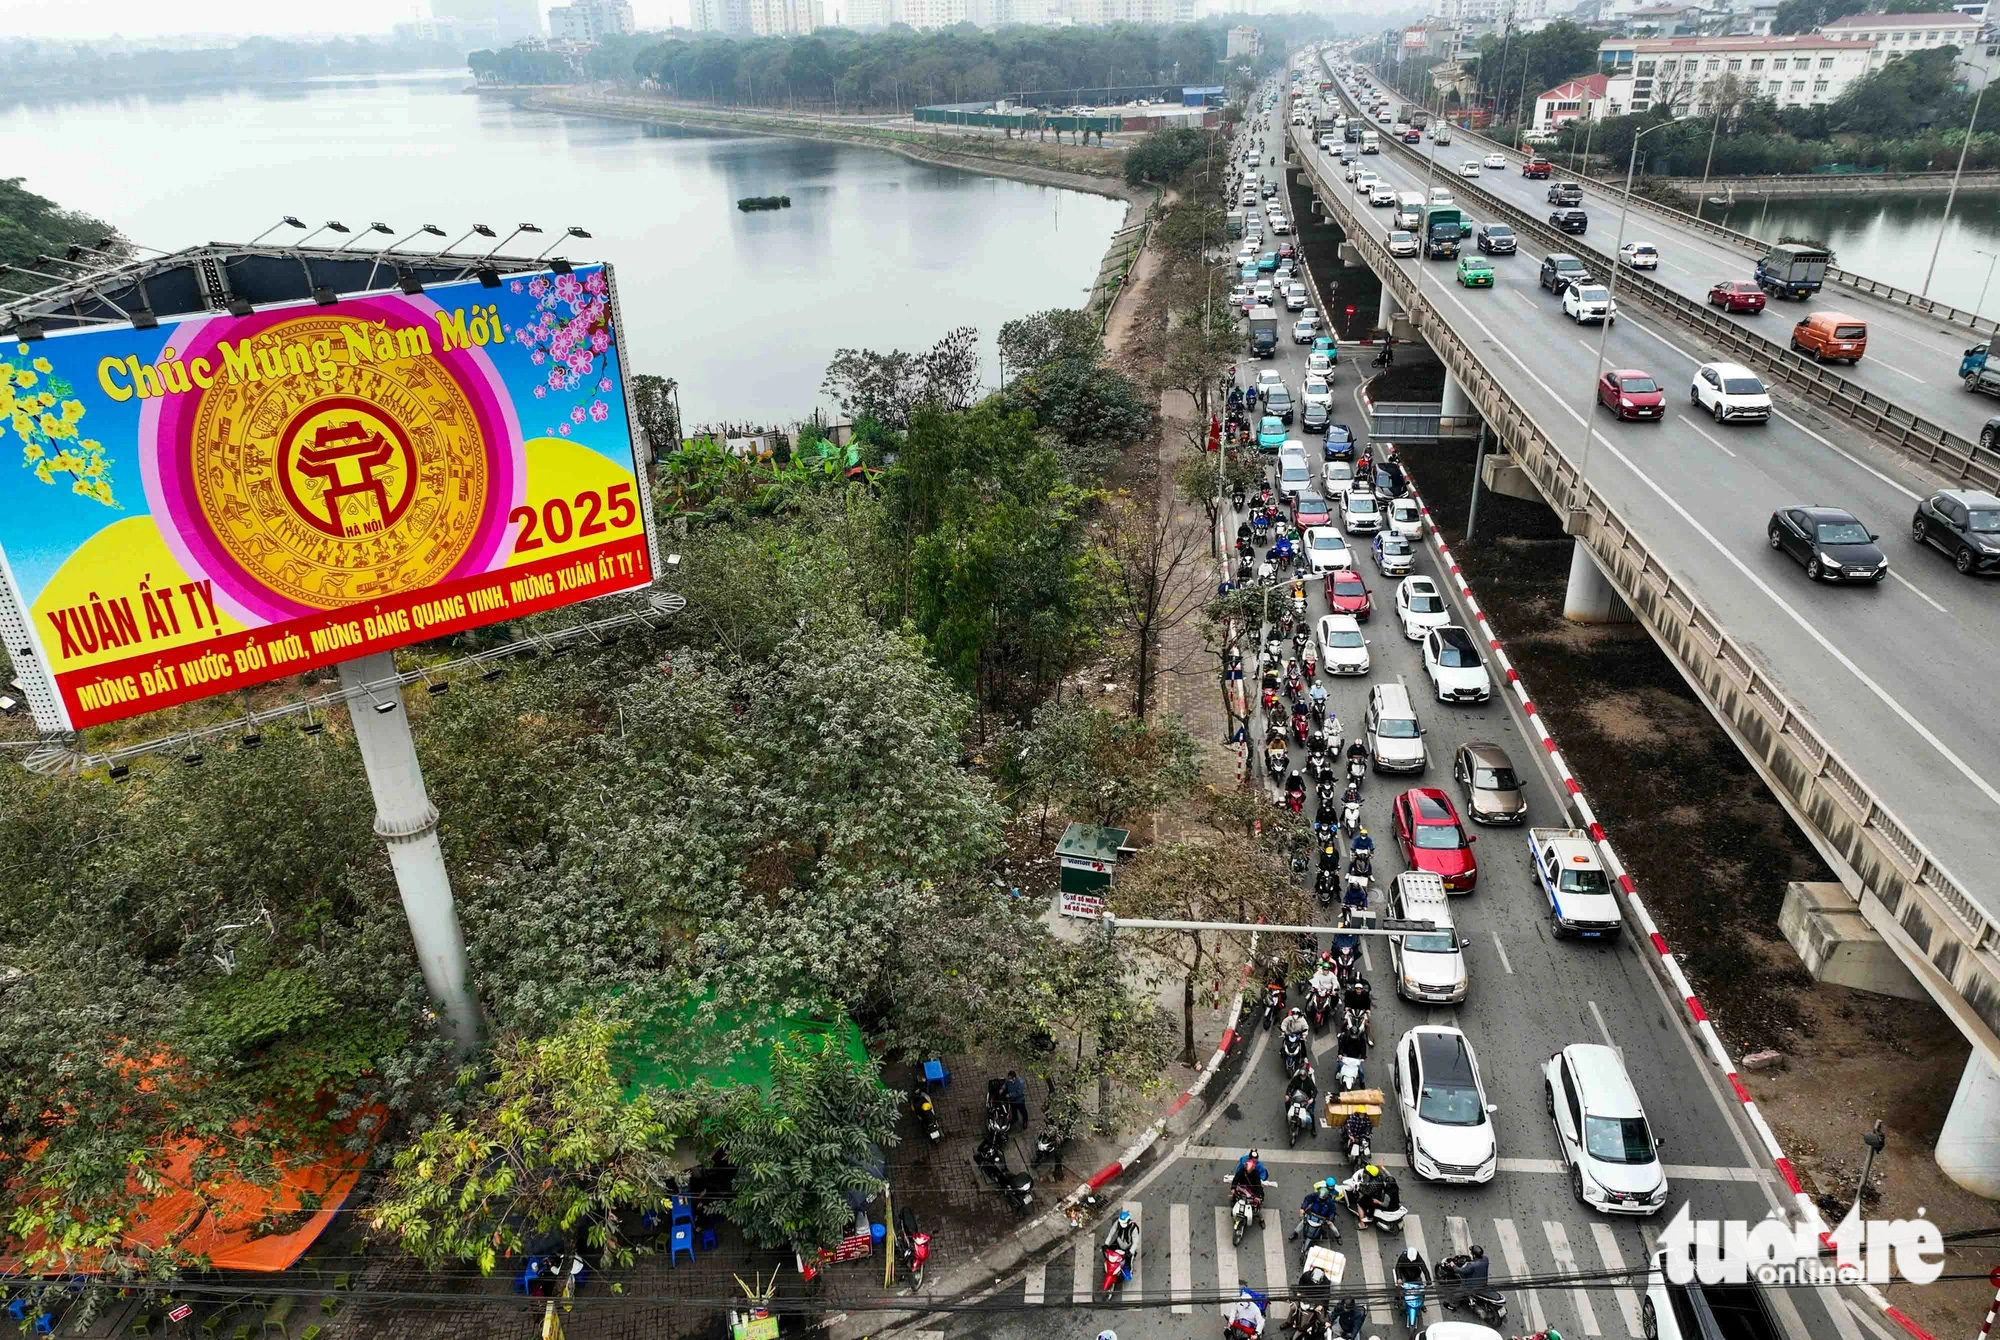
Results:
[247, 1226]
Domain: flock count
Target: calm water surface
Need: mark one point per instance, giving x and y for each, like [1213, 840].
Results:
[1890, 238]
[745, 309]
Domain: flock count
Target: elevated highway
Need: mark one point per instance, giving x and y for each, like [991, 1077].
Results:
[1868, 711]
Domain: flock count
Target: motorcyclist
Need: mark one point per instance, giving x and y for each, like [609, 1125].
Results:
[1124, 1236]
[1250, 1177]
[1358, 1127]
[1302, 1084]
[1295, 1024]
[1358, 995]
[1325, 981]
[1282, 549]
[1322, 1198]
[1468, 1276]
[1411, 1269]
[1348, 1319]
[1318, 696]
[1363, 845]
[1247, 1316]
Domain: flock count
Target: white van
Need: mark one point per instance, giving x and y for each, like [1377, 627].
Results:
[1395, 737]
[1602, 1131]
[1429, 967]
[1409, 210]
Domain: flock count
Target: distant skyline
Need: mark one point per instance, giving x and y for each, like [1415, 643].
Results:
[94, 19]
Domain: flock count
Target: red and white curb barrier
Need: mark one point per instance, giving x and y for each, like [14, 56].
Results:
[1150, 1136]
[1704, 1026]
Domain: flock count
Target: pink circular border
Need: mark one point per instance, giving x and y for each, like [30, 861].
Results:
[166, 464]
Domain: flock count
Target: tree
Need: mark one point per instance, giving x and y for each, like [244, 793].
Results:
[33, 225]
[1100, 766]
[1204, 477]
[1091, 411]
[550, 1144]
[1156, 564]
[889, 388]
[806, 1151]
[1060, 333]
[656, 402]
[1803, 16]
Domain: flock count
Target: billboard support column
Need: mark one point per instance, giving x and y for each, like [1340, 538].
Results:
[406, 821]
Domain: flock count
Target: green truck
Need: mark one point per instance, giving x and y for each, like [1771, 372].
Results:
[1443, 227]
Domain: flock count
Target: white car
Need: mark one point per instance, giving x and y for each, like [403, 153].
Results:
[1309, 314]
[1613, 1156]
[1337, 479]
[1469, 168]
[1640, 255]
[1281, 226]
[1319, 365]
[1319, 390]
[1353, 171]
[1405, 519]
[1342, 648]
[1445, 1113]
[1359, 514]
[1366, 183]
[1420, 607]
[1451, 659]
[1296, 296]
[1730, 391]
[1496, 160]
[1402, 243]
[1305, 330]
[1589, 302]
[1326, 550]
[1269, 377]
[1381, 196]
[1394, 555]
[1240, 297]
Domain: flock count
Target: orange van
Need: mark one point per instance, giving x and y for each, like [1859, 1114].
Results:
[1831, 335]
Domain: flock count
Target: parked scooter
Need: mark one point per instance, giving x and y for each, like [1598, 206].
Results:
[927, 1116]
[1016, 1188]
[915, 1245]
[1049, 1145]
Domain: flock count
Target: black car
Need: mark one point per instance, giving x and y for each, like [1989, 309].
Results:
[1388, 479]
[1964, 523]
[1496, 239]
[1569, 220]
[1989, 436]
[1565, 193]
[1833, 545]
[1560, 270]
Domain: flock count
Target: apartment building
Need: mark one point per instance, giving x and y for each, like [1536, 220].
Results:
[590, 21]
[1896, 35]
[1688, 74]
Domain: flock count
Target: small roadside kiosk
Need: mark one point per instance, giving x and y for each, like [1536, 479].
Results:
[1089, 857]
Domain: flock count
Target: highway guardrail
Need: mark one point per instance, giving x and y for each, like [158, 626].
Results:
[1907, 894]
[1889, 293]
[1904, 429]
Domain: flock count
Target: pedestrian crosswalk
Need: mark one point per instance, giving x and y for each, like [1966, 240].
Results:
[1208, 1266]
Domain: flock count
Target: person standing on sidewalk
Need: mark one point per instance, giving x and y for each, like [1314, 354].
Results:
[1016, 1091]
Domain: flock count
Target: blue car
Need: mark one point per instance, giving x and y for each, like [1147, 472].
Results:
[1270, 433]
[1324, 345]
[1339, 442]
[1268, 262]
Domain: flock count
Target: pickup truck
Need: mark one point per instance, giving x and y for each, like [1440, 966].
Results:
[1697, 1311]
[1980, 368]
[1537, 167]
[1793, 271]
[1580, 899]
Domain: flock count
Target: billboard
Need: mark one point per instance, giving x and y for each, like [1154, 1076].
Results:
[224, 500]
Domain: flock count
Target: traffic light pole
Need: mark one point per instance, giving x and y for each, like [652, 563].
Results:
[406, 821]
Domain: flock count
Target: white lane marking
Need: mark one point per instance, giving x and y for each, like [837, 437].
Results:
[1367, 1245]
[1710, 436]
[1566, 1263]
[1458, 1233]
[1899, 372]
[1413, 1233]
[1180, 1259]
[1038, 1283]
[1366, 961]
[1914, 591]
[1826, 644]
[1517, 1268]
[1274, 1257]
[1588, 347]
[1081, 1286]
[1501, 950]
[1604, 1032]
[1133, 1287]
[1226, 1274]
[1628, 1297]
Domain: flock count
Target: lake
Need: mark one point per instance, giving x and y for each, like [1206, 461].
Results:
[1890, 238]
[744, 309]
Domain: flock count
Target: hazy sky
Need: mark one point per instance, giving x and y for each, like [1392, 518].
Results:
[151, 18]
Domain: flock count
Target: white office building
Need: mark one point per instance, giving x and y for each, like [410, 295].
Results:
[1687, 74]
[1896, 35]
[590, 21]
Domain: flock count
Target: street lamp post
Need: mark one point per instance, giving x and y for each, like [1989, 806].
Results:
[1701, 196]
[1991, 257]
[1610, 309]
[1958, 172]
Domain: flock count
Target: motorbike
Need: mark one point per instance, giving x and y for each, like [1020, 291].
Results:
[1017, 1188]
[1326, 888]
[1413, 1306]
[1298, 597]
[1301, 727]
[1346, 959]
[1355, 890]
[1316, 760]
[1489, 1305]
[1238, 1328]
[1275, 759]
[1300, 636]
[916, 1250]
[1295, 683]
[1244, 1209]
[1319, 1010]
[1274, 1003]
[1360, 1148]
[1115, 1272]
[1292, 1053]
[1347, 1073]
[1260, 530]
[1295, 794]
[1246, 568]
[1049, 1145]
[1313, 1227]
[1310, 664]
[1270, 698]
[1350, 809]
[1299, 1118]
[1318, 709]
[1384, 359]
[927, 1116]
[1236, 496]
[999, 1122]
[1381, 1219]
[1353, 1023]
[1357, 762]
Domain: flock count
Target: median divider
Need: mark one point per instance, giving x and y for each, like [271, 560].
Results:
[1901, 428]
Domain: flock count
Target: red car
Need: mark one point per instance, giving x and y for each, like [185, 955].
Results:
[1310, 509]
[1432, 839]
[1347, 594]
[1631, 394]
[1737, 295]
[1537, 167]
[1286, 251]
